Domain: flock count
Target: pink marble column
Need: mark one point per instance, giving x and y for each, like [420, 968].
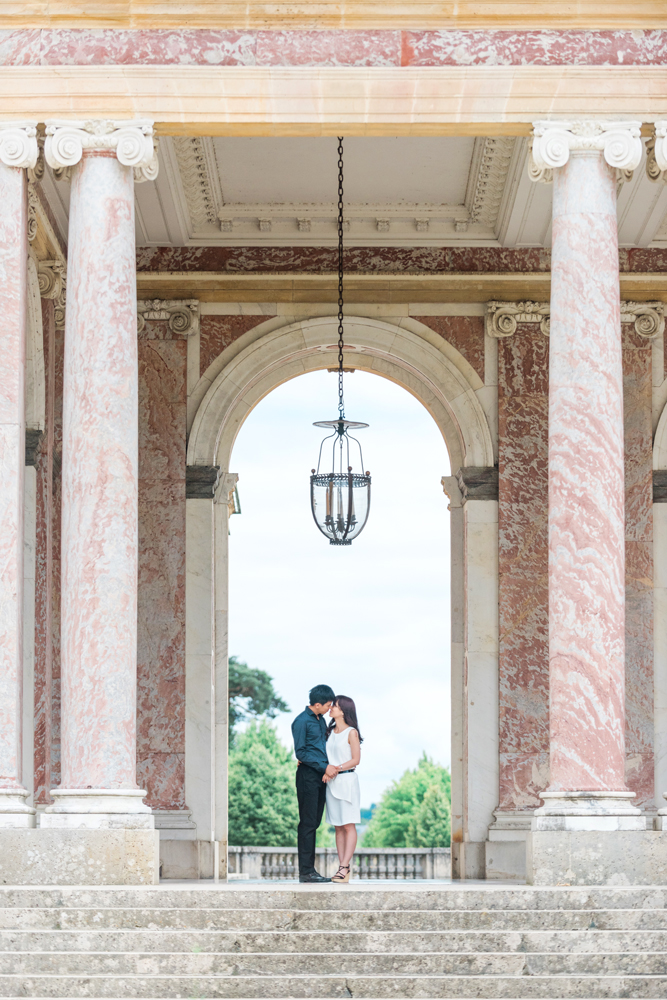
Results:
[99, 480]
[18, 150]
[586, 480]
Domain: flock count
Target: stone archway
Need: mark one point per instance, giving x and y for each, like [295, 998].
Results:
[428, 367]
[409, 354]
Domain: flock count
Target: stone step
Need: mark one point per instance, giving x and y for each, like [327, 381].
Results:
[369, 987]
[353, 965]
[356, 896]
[207, 918]
[344, 942]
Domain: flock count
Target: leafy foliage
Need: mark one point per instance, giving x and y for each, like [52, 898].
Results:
[414, 811]
[251, 694]
[263, 809]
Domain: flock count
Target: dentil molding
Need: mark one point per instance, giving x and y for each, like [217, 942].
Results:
[501, 318]
[18, 144]
[553, 141]
[195, 157]
[132, 141]
[181, 314]
[488, 177]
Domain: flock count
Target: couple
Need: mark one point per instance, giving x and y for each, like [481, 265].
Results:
[327, 756]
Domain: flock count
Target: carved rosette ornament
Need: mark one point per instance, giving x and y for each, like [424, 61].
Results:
[620, 142]
[132, 141]
[501, 318]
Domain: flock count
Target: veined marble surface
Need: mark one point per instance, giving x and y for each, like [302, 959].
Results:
[183, 47]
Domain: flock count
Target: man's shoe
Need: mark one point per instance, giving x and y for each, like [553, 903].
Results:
[313, 877]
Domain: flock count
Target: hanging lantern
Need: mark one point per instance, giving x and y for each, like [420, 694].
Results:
[340, 499]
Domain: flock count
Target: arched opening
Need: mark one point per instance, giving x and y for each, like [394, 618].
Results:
[372, 620]
[434, 372]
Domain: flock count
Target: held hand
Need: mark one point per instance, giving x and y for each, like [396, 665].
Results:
[331, 771]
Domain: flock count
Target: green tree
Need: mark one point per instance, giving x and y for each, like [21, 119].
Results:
[431, 824]
[263, 809]
[251, 694]
[406, 817]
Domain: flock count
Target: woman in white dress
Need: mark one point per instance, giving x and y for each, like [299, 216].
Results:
[343, 799]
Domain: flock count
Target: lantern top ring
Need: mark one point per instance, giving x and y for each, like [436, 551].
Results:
[335, 424]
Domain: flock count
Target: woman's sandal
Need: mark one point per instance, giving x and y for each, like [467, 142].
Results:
[342, 878]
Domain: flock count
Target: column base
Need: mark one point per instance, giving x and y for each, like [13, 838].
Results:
[506, 846]
[15, 813]
[596, 857]
[79, 857]
[97, 809]
[574, 811]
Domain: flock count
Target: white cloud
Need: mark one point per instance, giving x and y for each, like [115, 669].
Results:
[371, 619]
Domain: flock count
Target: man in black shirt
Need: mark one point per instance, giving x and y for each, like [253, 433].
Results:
[309, 732]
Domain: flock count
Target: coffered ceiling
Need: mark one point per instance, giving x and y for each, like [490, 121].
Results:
[398, 192]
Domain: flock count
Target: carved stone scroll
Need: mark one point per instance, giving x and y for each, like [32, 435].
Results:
[502, 317]
[648, 317]
[553, 141]
[181, 314]
[132, 141]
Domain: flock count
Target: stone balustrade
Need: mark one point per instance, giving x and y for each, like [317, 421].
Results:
[369, 862]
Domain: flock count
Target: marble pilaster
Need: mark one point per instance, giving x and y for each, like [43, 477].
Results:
[586, 478]
[161, 591]
[18, 151]
[100, 472]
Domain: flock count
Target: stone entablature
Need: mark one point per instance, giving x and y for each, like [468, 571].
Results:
[276, 41]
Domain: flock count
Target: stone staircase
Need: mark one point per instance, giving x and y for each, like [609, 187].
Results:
[361, 940]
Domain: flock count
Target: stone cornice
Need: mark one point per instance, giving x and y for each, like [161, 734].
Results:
[554, 141]
[477, 483]
[201, 481]
[132, 141]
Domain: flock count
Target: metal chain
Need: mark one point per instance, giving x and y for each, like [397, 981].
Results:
[341, 405]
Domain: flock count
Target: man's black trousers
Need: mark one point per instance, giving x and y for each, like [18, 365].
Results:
[311, 793]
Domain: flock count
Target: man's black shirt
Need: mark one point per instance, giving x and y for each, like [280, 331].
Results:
[310, 743]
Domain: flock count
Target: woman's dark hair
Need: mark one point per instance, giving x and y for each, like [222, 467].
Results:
[349, 710]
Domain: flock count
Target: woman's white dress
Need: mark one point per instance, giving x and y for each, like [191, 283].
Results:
[343, 798]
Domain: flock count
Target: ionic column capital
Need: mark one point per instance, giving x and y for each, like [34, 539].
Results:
[619, 141]
[656, 153]
[501, 318]
[132, 141]
[648, 318]
[181, 314]
[18, 144]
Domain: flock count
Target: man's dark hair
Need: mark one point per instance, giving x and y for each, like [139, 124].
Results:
[321, 694]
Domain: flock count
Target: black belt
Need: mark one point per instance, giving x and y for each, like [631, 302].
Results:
[350, 770]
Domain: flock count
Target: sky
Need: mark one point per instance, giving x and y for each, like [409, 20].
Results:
[370, 619]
